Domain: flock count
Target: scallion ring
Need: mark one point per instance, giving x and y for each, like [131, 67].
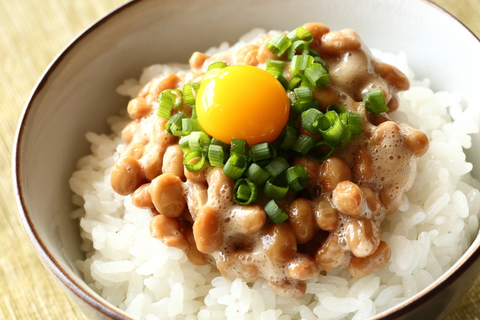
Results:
[257, 174]
[275, 188]
[174, 125]
[199, 140]
[216, 65]
[303, 144]
[190, 93]
[245, 191]
[375, 101]
[317, 76]
[321, 150]
[235, 166]
[216, 155]
[331, 127]
[262, 151]
[277, 166]
[197, 166]
[297, 178]
[274, 212]
[278, 44]
[287, 137]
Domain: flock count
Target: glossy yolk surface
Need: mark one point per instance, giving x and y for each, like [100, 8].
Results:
[242, 102]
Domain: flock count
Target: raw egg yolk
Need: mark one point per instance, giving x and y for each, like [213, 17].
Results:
[242, 102]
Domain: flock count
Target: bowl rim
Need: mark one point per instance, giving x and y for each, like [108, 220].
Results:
[101, 305]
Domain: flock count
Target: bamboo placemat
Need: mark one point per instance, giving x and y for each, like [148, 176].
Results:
[32, 33]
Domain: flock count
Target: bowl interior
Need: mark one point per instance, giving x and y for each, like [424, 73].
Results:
[77, 92]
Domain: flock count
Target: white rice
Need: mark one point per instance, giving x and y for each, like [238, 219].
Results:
[435, 224]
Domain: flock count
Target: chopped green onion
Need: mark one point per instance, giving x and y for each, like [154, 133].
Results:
[297, 178]
[300, 33]
[375, 101]
[338, 108]
[174, 125]
[257, 174]
[317, 75]
[184, 144]
[299, 80]
[199, 140]
[245, 191]
[354, 122]
[166, 101]
[303, 94]
[303, 144]
[300, 63]
[190, 93]
[274, 212]
[217, 142]
[235, 166]
[277, 166]
[238, 146]
[217, 65]
[194, 167]
[194, 113]
[319, 60]
[283, 81]
[331, 127]
[216, 155]
[321, 150]
[262, 151]
[298, 45]
[189, 125]
[310, 119]
[299, 108]
[345, 137]
[279, 44]
[275, 67]
[275, 189]
[287, 137]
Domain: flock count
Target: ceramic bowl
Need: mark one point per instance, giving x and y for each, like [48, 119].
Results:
[77, 93]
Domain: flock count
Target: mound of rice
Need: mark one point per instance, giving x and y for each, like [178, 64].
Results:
[435, 224]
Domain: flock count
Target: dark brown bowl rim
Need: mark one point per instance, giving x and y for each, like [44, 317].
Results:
[104, 307]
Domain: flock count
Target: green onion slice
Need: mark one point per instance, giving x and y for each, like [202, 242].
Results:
[317, 59]
[190, 125]
[235, 166]
[190, 93]
[287, 137]
[300, 33]
[262, 151]
[275, 188]
[183, 142]
[299, 80]
[317, 75]
[197, 166]
[344, 138]
[217, 65]
[274, 212]
[298, 45]
[245, 191]
[257, 174]
[166, 101]
[277, 166]
[331, 127]
[238, 146]
[338, 108]
[297, 178]
[310, 119]
[174, 125]
[354, 122]
[216, 155]
[321, 150]
[303, 94]
[279, 44]
[275, 67]
[199, 140]
[300, 63]
[303, 144]
[375, 101]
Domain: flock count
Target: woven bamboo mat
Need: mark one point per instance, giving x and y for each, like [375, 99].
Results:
[32, 33]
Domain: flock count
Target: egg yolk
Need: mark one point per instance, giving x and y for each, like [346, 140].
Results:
[242, 102]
